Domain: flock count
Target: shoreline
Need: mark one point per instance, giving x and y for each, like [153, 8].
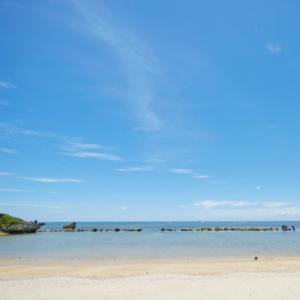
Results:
[108, 268]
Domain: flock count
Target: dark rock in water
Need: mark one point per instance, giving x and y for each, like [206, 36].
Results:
[94, 229]
[284, 228]
[117, 229]
[70, 227]
[29, 227]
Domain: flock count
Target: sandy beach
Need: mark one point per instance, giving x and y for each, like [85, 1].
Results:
[243, 278]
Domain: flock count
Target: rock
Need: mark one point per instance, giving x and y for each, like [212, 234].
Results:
[7, 220]
[13, 225]
[23, 228]
[70, 227]
[284, 228]
[94, 229]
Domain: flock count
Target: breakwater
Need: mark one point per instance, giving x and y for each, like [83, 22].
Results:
[72, 228]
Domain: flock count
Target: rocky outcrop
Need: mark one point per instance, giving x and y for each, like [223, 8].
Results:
[29, 227]
[12, 225]
[70, 227]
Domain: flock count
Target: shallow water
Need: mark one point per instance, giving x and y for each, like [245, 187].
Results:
[151, 243]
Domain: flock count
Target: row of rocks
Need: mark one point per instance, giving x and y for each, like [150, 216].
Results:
[205, 229]
[94, 230]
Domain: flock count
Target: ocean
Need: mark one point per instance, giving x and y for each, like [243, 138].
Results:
[151, 243]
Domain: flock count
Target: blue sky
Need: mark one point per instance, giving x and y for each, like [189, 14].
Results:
[150, 110]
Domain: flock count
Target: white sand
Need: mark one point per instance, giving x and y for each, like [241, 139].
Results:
[269, 279]
[236, 286]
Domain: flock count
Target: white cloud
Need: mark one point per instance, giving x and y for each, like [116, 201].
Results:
[33, 205]
[122, 208]
[10, 129]
[8, 190]
[275, 204]
[7, 85]
[135, 169]
[182, 171]
[7, 150]
[77, 145]
[99, 155]
[208, 204]
[293, 212]
[52, 180]
[141, 67]
[274, 48]
[4, 174]
[190, 172]
[202, 176]
[87, 150]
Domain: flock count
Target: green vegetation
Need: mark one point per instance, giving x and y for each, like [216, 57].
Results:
[7, 220]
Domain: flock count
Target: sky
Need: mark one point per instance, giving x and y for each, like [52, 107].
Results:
[150, 110]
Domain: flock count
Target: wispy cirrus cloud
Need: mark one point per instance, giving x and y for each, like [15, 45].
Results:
[190, 172]
[135, 169]
[274, 48]
[182, 171]
[202, 176]
[10, 190]
[86, 150]
[35, 205]
[209, 204]
[122, 207]
[99, 155]
[8, 129]
[52, 180]
[276, 204]
[7, 85]
[141, 66]
[78, 145]
[8, 150]
[5, 174]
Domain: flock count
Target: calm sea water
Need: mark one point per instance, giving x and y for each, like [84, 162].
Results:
[151, 243]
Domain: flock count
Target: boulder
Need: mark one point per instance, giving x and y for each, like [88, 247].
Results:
[28, 227]
[13, 225]
[70, 227]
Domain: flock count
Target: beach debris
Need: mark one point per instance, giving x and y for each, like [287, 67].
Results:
[70, 227]
[255, 258]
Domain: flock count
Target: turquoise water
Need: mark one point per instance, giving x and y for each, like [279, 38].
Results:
[151, 243]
